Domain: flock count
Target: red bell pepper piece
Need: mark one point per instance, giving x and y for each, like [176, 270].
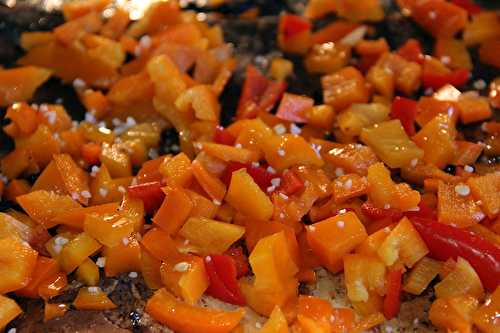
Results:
[240, 259]
[445, 241]
[293, 108]
[392, 300]
[271, 95]
[405, 110]
[150, 193]
[423, 212]
[468, 5]
[290, 183]
[376, 213]
[260, 175]
[456, 78]
[292, 25]
[221, 271]
[222, 136]
[258, 94]
[412, 51]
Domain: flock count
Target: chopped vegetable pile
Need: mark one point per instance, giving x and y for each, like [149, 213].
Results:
[374, 182]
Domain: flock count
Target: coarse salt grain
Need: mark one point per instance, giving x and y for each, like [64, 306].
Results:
[75, 196]
[348, 184]
[270, 169]
[101, 262]
[280, 129]
[216, 202]
[94, 170]
[387, 206]
[339, 172]
[238, 145]
[79, 83]
[61, 240]
[51, 117]
[125, 241]
[89, 117]
[479, 84]
[86, 194]
[93, 290]
[414, 209]
[294, 129]
[282, 215]
[57, 248]
[432, 15]
[133, 275]
[258, 325]
[414, 162]
[208, 258]
[276, 182]
[153, 153]
[462, 190]
[4, 179]
[182, 266]
[468, 168]
[121, 189]
[103, 191]
[479, 216]
[340, 224]
[283, 196]
[428, 91]
[12, 330]
[270, 189]
[445, 60]
[255, 164]
[281, 152]
[311, 228]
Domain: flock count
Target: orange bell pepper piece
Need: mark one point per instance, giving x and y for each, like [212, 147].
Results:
[54, 310]
[210, 236]
[15, 163]
[159, 244]
[75, 217]
[42, 206]
[391, 143]
[177, 170]
[186, 277]
[456, 206]
[421, 275]
[108, 229]
[334, 237]
[484, 188]
[203, 207]
[88, 273]
[74, 178]
[247, 197]
[44, 268]
[41, 145]
[150, 269]
[185, 318]
[92, 298]
[349, 186]
[343, 88]
[485, 317]
[461, 280]
[447, 18]
[288, 150]
[453, 313]
[124, 257]
[16, 188]
[52, 286]
[9, 310]
[403, 245]
[19, 261]
[473, 108]
[174, 210]
[16, 87]
[116, 24]
[24, 117]
[213, 186]
[50, 180]
[276, 323]
[76, 251]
